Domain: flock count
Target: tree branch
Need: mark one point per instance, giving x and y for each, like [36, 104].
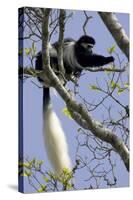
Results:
[45, 38]
[61, 40]
[87, 18]
[117, 31]
[101, 69]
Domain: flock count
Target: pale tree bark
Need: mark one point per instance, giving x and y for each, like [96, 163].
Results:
[117, 31]
[61, 40]
[45, 37]
[79, 113]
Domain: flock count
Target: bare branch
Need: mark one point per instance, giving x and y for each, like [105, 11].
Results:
[87, 18]
[100, 69]
[117, 31]
[29, 71]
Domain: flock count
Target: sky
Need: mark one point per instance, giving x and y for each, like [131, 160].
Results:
[32, 97]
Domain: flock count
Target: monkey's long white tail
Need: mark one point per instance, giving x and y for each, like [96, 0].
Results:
[55, 141]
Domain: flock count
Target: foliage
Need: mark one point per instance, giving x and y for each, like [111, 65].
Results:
[94, 87]
[111, 49]
[67, 113]
[42, 180]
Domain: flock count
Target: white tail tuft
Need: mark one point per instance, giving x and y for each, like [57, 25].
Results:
[55, 142]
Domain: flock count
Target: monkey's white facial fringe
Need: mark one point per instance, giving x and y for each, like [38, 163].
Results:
[69, 56]
[55, 142]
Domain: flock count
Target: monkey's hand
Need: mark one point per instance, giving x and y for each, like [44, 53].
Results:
[95, 60]
[110, 59]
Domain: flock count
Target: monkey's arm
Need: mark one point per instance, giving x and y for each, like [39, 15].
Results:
[95, 60]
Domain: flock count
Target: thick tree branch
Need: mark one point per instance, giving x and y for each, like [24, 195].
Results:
[117, 31]
[61, 40]
[45, 38]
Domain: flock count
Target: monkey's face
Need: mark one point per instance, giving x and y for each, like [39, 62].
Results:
[87, 46]
[86, 43]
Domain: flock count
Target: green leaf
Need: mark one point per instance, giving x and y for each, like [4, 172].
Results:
[32, 162]
[23, 174]
[42, 188]
[111, 49]
[53, 176]
[66, 171]
[94, 87]
[26, 173]
[69, 186]
[67, 113]
[21, 164]
[114, 85]
[27, 51]
[126, 85]
[120, 91]
[46, 179]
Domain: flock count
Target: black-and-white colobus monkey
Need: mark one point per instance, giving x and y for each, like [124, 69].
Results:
[77, 56]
